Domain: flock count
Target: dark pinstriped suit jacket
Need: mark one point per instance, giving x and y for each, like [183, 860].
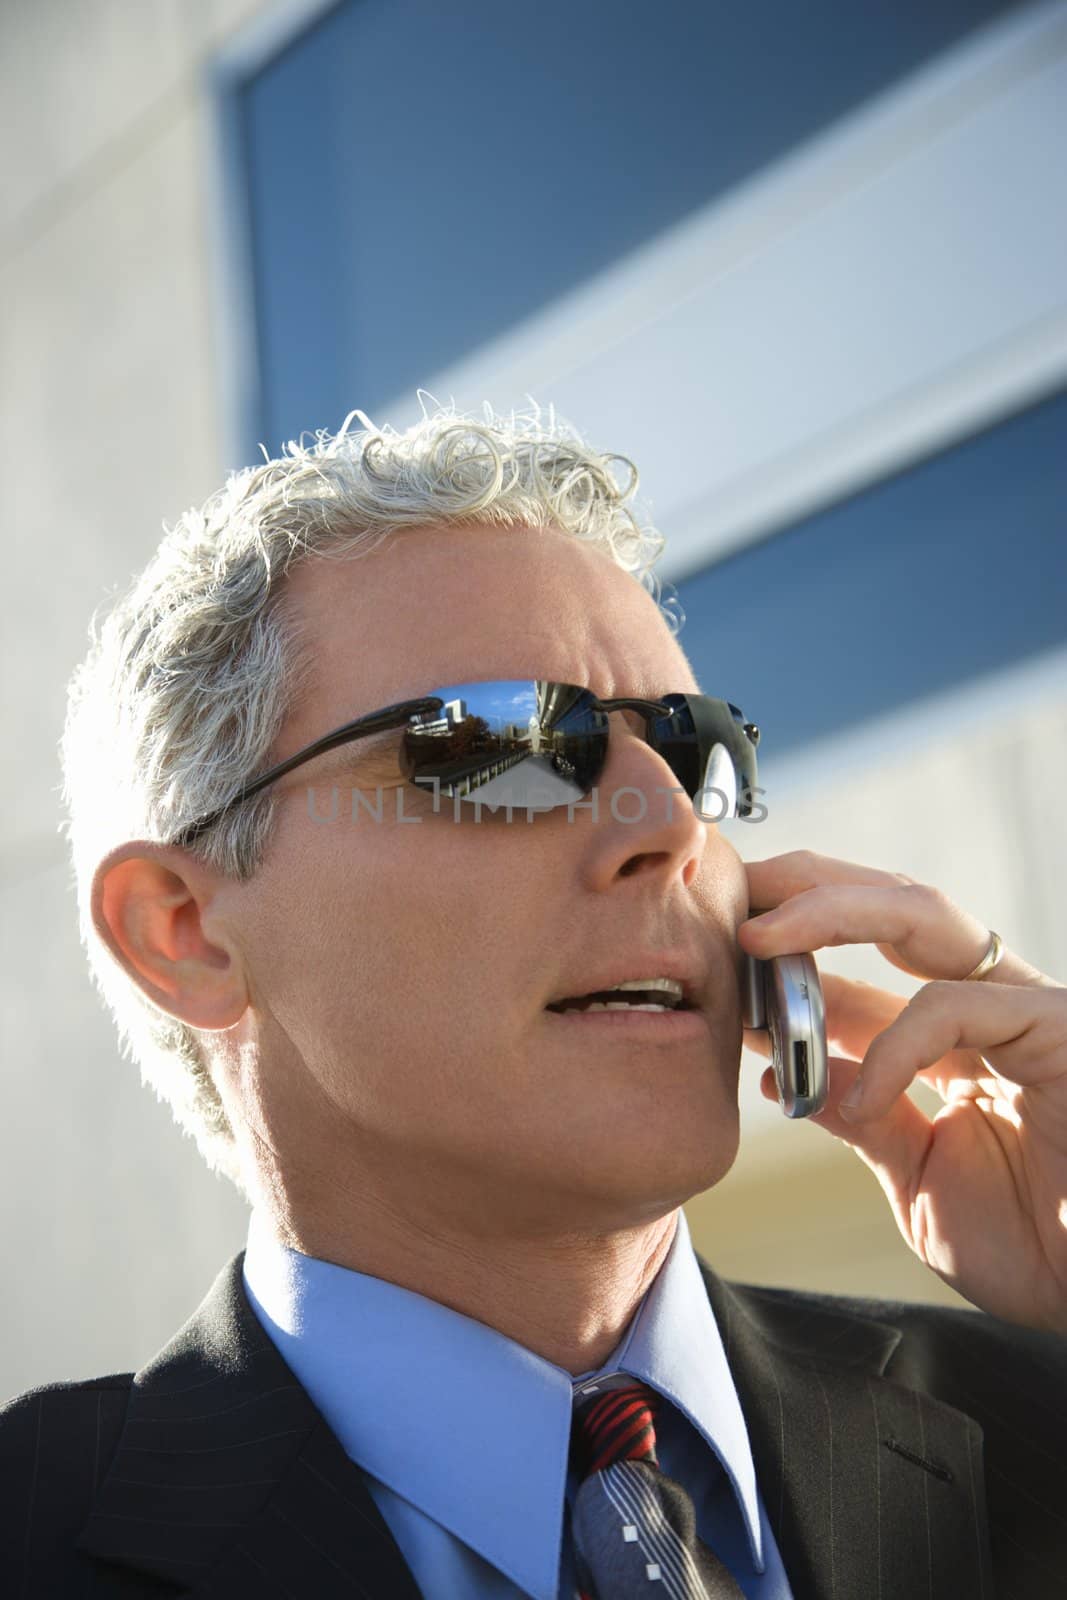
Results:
[902, 1451]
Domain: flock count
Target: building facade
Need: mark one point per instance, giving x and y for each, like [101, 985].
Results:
[809, 278]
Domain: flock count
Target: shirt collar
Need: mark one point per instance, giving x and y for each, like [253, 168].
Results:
[403, 1380]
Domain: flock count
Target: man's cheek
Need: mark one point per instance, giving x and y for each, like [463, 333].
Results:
[721, 886]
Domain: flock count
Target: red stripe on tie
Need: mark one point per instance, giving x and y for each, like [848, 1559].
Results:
[599, 1426]
[619, 1426]
[635, 1444]
[602, 1410]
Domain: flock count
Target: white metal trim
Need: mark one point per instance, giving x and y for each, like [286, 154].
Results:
[631, 321]
[577, 352]
[231, 265]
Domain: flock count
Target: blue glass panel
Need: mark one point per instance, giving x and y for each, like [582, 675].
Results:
[950, 570]
[424, 175]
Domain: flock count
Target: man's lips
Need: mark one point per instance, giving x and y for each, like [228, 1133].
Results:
[687, 970]
[673, 1026]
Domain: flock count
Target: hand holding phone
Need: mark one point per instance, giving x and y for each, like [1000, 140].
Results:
[783, 996]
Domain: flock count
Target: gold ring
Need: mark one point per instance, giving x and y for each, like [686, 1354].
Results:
[989, 960]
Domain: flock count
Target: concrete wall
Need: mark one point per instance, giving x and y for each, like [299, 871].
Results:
[110, 402]
[108, 395]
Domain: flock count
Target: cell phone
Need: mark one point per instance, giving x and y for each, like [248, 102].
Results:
[783, 997]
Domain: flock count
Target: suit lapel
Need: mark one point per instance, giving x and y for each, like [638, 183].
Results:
[871, 1488]
[226, 1477]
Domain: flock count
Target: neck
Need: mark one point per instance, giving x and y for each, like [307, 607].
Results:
[568, 1298]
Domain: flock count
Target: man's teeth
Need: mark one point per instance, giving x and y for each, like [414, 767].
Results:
[619, 1005]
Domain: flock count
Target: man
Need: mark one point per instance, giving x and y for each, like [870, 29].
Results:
[469, 1350]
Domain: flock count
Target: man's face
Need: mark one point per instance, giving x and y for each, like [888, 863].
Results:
[400, 971]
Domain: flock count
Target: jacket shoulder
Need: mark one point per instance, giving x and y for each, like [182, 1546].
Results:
[916, 1317]
[112, 1380]
[64, 1405]
[56, 1443]
[72, 1416]
[961, 1354]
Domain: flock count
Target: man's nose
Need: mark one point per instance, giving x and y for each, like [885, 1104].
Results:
[645, 820]
[640, 788]
[633, 765]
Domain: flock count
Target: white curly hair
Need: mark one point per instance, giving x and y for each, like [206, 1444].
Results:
[190, 677]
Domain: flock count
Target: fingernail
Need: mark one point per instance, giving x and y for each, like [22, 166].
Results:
[851, 1101]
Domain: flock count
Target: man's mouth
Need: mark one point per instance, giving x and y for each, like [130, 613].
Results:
[657, 1007]
[646, 995]
[628, 997]
[633, 1022]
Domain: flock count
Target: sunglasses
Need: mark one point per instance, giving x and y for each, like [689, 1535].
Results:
[535, 744]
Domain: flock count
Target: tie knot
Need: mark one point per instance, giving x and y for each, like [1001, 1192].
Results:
[614, 1425]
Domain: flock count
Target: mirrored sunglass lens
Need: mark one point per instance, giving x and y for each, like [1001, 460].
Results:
[533, 744]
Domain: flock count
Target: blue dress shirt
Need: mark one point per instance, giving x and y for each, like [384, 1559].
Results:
[464, 1435]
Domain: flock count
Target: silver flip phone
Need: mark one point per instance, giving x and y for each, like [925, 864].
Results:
[783, 996]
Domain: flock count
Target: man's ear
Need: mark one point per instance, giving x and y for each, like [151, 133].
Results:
[152, 905]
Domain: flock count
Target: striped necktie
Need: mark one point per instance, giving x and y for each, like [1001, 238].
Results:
[632, 1525]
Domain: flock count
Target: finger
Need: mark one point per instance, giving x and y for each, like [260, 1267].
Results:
[915, 926]
[1021, 1033]
[778, 878]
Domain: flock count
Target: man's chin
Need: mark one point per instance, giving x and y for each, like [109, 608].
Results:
[653, 1179]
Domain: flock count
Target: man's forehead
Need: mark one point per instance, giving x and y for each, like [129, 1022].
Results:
[430, 607]
[547, 657]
